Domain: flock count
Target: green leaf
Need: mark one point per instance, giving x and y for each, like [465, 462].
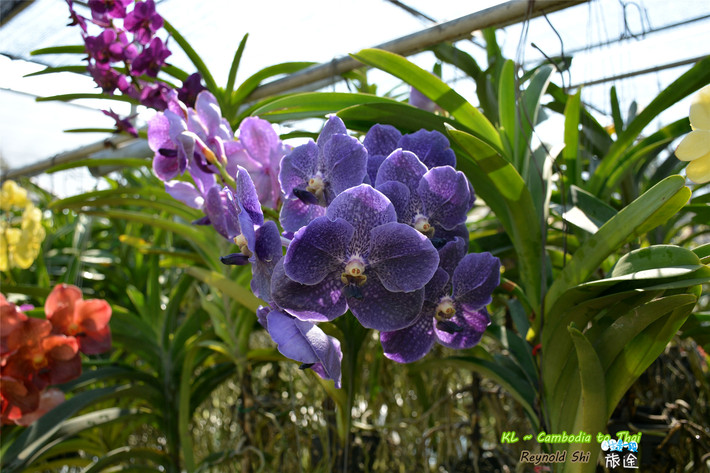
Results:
[639, 353]
[616, 112]
[237, 292]
[235, 66]
[657, 261]
[571, 151]
[73, 49]
[558, 358]
[91, 130]
[591, 415]
[648, 211]
[585, 211]
[639, 156]
[462, 60]
[112, 372]
[184, 411]
[30, 442]
[130, 455]
[313, 104]
[52, 70]
[403, 116]
[612, 341]
[123, 162]
[136, 335]
[434, 89]
[176, 72]
[539, 182]
[196, 237]
[528, 110]
[77, 96]
[703, 252]
[507, 109]
[519, 388]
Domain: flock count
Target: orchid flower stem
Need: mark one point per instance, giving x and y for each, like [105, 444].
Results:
[269, 212]
[228, 180]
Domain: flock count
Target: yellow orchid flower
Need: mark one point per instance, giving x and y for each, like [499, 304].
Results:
[12, 195]
[4, 260]
[19, 247]
[30, 243]
[695, 147]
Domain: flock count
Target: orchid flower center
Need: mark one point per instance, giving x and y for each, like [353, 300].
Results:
[354, 273]
[241, 242]
[316, 185]
[445, 310]
[421, 223]
[72, 329]
[443, 314]
[39, 361]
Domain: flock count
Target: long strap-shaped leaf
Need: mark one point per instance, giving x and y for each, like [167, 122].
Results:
[197, 238]
[434, 89]
[642, 215]
[214, 279]
[314, 104]
[590, 416]
[33, 439]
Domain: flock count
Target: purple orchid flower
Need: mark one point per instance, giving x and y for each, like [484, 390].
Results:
[164, 132]
[191, 87]
[151, 59]
[103, 10]
[454, 312]
[431, 147]
[110, 46]
[122, 124]
[191, 139]
[154, 96]
[434, 201]
[359, 257]
[233, 214]
[315, 173]
[108, 78]
[75, 18]
[259, 242]
[262, 154]
[143, 21]
[304, 342]
[379, 141]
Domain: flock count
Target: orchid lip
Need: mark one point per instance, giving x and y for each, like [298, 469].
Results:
[305, 196]
[238, 259]
[448, 326]
[168, 153]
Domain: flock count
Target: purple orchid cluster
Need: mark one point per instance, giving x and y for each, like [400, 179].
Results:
[127, 55]
[375, 227]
